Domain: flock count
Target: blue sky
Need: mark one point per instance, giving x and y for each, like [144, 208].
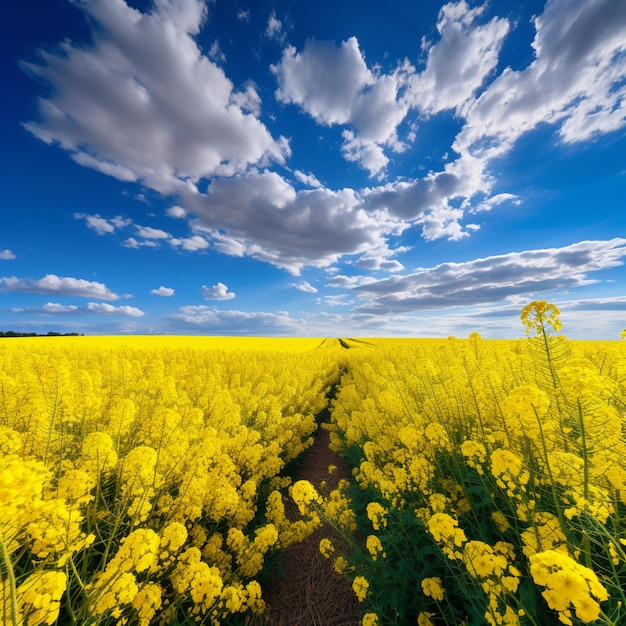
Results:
[328, 168]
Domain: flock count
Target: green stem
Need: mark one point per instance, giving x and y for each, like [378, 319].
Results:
[11, 574]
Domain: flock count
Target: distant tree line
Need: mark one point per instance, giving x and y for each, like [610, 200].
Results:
[10, 333]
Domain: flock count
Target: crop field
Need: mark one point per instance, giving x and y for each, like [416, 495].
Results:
[150, 480]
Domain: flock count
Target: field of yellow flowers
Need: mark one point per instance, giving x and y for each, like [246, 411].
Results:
[490, 478]
[141, 481]
[144, 480]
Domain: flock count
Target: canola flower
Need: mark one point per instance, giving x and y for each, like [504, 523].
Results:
[132, 471]
[146, 478]
[495, 452]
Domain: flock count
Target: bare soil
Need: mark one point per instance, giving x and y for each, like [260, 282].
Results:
[308, 592]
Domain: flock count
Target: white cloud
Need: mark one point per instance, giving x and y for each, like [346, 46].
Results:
[459, 63]
[108, 309]
[7, 255]
[576, 81]
[489, 279]
[497, 200]
[323, 79]
[231, 322]
[167, 117]
[131, 242]
[335, 86]
[305, 286]
[176, 212]
[129, 115]
[216, 54]
[57, 285]
[274, 29]
[339, 300]
[192, 244]
[96, 308]
[166, 292]
[99, 224]
[264, 217]
[307, 179]
[217, 292]
[379, 260]
[120, 222]
[53, 307]
[148, 232]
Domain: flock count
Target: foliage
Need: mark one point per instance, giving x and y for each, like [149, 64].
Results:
[492, 475]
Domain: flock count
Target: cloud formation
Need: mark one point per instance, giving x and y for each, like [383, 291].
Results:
[487, 280]
[51, 284]
[95, 308]
[7, 255]
[217, 292]
[172, 120]
[165, 292]
[232, 322]
[144, 104]
[304, 286]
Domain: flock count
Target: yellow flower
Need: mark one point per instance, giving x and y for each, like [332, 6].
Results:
[500, 520]
[326, 547]
[444, 530]
[423, 619]
[304, 495]
[360, 587]
[374, 547]
[432, 588]
[538, 315]
[41, 594]
[147, 602]
[567, 582]
[370, 619]
[377, 514]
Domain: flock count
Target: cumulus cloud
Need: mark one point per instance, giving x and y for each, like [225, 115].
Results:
[459, 63]
[267, 219]
[166, 292]
[191, 244]
[167, 117]
[176, 212]
[96, 308]
[147, 232]
[334, 85]
[305, 286]
[131, 242]
[378, 259]
[217, 292]
[576, 81]
[51, 284]
[489, 279]
[232, 322]
[172, 117]
[7, 255]
[307, 179]
[99, 224]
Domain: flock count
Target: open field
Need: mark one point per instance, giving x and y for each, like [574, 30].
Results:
[159, 480]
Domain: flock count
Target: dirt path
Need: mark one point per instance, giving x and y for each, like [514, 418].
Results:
[311, 593]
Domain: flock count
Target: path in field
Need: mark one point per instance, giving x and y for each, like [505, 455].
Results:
[310, 593]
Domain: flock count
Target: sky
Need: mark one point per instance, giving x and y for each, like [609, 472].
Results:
[333, 168]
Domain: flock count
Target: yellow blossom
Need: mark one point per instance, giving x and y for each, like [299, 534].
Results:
[360, 587]
[432, 588]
